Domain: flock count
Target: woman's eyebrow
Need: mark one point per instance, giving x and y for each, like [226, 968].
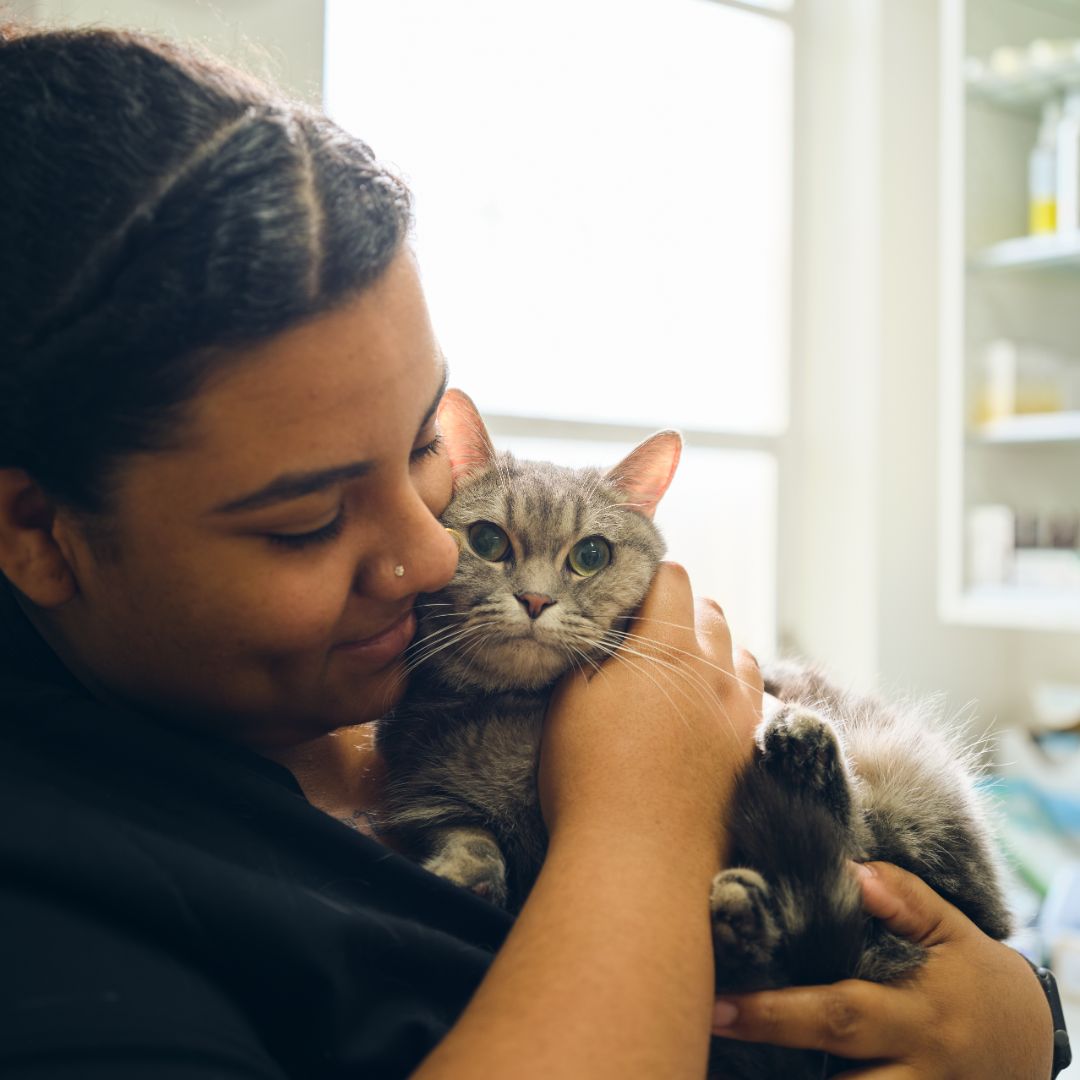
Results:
[443, 383]
[296, 485]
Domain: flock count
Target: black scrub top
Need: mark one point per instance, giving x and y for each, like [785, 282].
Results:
[172, 906]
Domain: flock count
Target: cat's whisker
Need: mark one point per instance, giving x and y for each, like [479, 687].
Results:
[623, 658]
[470, 654]
[442, 639]
[674, 648]
[440, 633]
[694, 679]
[663, 622]
[667, 647]
[579, 667]
[573, 651]
[705, 690]
[615, 649]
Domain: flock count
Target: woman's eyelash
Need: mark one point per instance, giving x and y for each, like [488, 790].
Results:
[431, 448]
[296, 541]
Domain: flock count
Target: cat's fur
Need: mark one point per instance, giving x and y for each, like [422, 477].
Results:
[836, 777]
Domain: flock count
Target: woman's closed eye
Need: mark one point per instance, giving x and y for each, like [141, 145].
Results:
[430, 449]
[324, 534]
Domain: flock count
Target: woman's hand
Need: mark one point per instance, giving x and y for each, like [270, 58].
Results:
[975, 1010]
[654, 738]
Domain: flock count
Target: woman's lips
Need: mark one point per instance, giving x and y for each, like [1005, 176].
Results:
[385, 646]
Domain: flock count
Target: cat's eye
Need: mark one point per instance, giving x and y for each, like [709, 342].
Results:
[488, 541]
[589, 556]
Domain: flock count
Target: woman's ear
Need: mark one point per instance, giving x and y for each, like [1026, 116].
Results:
[467, 442]
[30, 557]
[645, 473]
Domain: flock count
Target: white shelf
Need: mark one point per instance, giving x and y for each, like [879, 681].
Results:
[1010, 607]
[1020, 289]
[1027, 89]
[1032, 428]
[1051, 251]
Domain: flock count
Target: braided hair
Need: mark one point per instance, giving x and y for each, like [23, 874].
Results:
[157, 209]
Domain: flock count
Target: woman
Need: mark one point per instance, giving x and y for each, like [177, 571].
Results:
[218, 496]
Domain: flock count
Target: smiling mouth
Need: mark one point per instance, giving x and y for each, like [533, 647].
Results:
[385, 646]
[388, 629]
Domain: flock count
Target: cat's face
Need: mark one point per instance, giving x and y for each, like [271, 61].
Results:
[552, 561]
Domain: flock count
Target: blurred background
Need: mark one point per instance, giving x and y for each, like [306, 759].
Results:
[835, 242]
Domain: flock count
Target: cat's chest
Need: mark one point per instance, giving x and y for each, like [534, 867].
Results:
[486, 748]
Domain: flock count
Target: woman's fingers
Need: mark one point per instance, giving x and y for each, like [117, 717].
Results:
[907, 905]
[852, 1019]
[669, 603]
[748, 672]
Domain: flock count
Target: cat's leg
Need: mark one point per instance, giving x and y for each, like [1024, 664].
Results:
[469, 856]
[800, 748]
[745, 931]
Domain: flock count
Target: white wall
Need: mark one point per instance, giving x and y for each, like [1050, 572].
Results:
[281, 40]
[828, 601]
[915, 647]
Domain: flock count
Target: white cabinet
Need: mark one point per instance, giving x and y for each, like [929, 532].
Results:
[1010, 324]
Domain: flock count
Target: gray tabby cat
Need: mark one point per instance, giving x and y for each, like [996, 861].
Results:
[553, 561]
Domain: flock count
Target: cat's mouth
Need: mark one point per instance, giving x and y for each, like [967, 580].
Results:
[498, 653]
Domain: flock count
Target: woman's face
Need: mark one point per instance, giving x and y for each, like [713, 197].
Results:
[252, 589]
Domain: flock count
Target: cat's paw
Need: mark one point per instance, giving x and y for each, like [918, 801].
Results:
[472, 859]
[801, 748]
[745, 931]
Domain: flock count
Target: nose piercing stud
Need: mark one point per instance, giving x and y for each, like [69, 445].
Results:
[399, 570]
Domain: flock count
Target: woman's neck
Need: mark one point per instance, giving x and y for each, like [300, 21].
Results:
[340, 773]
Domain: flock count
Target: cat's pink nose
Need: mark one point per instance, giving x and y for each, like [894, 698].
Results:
[533, 602]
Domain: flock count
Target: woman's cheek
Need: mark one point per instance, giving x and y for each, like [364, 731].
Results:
[298, 609]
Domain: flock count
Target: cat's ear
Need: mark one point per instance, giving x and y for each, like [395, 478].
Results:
[467, 442]
[646, 472]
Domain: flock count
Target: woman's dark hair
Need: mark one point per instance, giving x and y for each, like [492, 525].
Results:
[157, 208]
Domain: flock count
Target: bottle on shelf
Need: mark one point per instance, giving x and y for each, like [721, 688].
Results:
[1068, 164]
[1042, 173]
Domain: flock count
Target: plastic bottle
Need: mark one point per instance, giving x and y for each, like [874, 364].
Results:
[1068, 164]
[1042, 173]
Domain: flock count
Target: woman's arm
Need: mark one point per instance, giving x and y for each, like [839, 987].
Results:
[974, 1011]
[608, 971]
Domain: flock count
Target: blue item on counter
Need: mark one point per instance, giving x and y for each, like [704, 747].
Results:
[1061, 909]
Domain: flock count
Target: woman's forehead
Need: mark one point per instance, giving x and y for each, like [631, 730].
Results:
[352, 384]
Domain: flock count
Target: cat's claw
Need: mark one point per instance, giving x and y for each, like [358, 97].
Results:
[472, 859]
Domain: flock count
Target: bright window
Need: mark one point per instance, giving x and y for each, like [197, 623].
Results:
[603, 225]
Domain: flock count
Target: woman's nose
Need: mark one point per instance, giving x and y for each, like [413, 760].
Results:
[416, 555]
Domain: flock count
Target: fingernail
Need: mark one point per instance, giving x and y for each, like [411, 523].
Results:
[863, 870]
[725, 1013]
